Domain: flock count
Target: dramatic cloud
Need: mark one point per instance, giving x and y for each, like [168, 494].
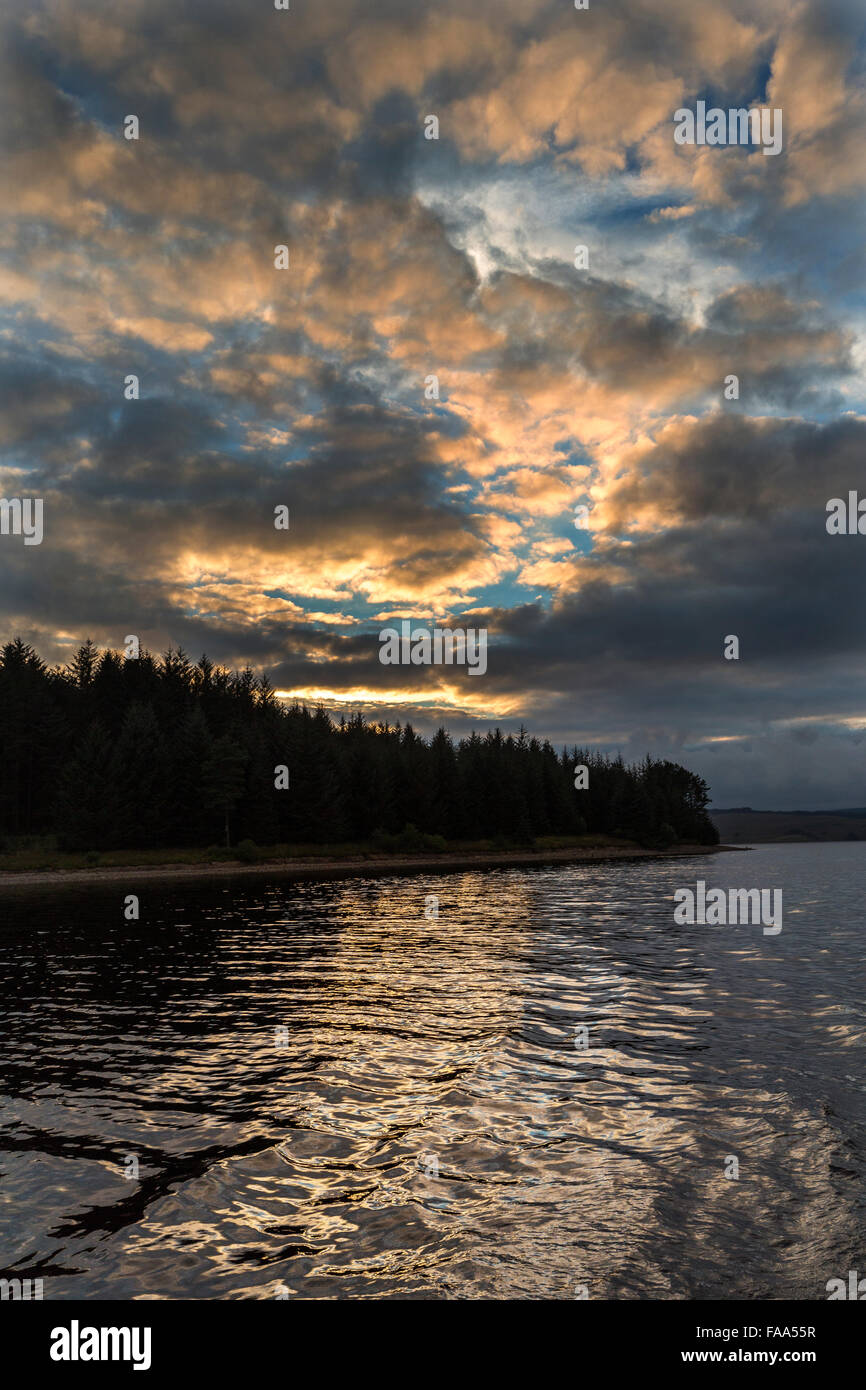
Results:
[613, 457]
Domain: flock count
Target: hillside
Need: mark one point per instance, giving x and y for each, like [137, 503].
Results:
[745, 826]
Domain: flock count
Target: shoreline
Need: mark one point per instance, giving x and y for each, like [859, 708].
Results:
[355, 866]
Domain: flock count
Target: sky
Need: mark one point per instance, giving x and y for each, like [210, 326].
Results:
[594, 382]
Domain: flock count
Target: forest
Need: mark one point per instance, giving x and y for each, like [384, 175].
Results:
[111, 753]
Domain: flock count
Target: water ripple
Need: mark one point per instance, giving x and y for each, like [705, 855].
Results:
[328, 1095]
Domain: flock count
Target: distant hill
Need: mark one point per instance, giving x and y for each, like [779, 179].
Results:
[742, 825]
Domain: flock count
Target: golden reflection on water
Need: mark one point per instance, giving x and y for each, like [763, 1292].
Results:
[334, 1095]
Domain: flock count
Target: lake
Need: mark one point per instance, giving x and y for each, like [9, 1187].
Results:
[267, 1089]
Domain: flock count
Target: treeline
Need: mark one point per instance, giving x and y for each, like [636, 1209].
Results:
[110, 753]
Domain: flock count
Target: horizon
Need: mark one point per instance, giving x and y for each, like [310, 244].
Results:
[62, 668]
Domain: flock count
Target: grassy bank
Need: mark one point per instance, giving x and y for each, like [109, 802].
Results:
[33, 856]
[32, 867]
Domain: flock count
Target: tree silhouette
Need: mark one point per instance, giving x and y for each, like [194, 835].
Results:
[223, 778]
[107, 752]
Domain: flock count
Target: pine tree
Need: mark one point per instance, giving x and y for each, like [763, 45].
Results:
[143, 752]
[223, 778]
[139, 772]
[86, 808]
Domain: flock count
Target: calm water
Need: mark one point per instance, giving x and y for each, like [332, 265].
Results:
[305, 1160]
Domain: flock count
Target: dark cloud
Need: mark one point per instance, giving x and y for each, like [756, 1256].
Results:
[259, 388]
